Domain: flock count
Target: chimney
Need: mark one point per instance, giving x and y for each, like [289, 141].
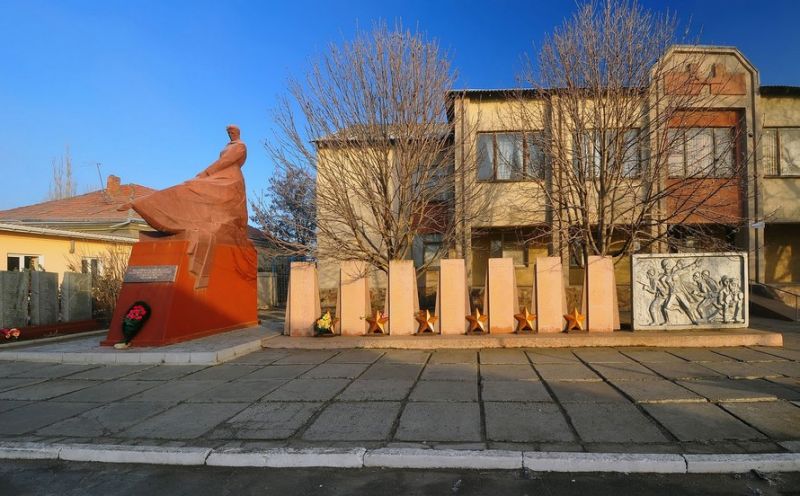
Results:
[112, 185]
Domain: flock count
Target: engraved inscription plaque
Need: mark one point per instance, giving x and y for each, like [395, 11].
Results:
[151, 273]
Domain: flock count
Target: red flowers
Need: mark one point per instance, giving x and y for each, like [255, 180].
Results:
[12, 333]
[137, 312]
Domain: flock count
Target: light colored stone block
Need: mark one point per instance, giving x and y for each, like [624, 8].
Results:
[76, 297]
[13, 299]
[443, 458]
[302, 303]
[161, 455]
[403, 299]
[452, 297]
[501, 300]
[549, 296]
[28, 451]
[600, 295]
[741, 463]
[689, 291]
[353, 302]
[287, 457]
[44, 298]
[604, 462]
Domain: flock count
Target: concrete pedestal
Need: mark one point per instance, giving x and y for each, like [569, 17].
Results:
[352, 302]
[600, 295]
[403, 300]
[549, 295]
[302, 303]
[501, 295]
[452, 297]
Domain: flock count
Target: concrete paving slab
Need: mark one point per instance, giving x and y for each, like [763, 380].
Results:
[266, 420]
[447, 422]
[526, 391]
[450, 372]
[625, 372]
[444, 391]
[700, 422]
[698, 355]
[10, 369]
[779, 420]
[362, 421]
[46, 390]
[164, 372]
[109, 372]
[260, 357]
[54, 371]
[271, 372]
[238, 391]
[601, 355]
[174, 391]
[106, 420]
[503, 356]
[107, 392]
[357, 356]
[721, 390]
[745, 354]
[308, 390]
[312, 357]
[336, 371]
[661, 391]
[655, 448]
[786, 353]
[6, 384]
[405, 356]
[741, 370]
[585, 392]
[566, 372]
[651, 356]
[376, 390]
[526, 422]
[394, 371]
[6, 405]
[454, 356]
[507, 373]
[551, 356]
[683, 371]
[185, 421]
[612, 423]
[37, 415]
[222, 372]
[788, 369]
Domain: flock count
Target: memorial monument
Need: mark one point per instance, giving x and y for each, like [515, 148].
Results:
[198, 270]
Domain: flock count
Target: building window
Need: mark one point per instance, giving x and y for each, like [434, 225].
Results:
[510, 156]
[780, 151]
[621, 148]
[431, 249]
[16, 262]
[509, 245]
[701, 152]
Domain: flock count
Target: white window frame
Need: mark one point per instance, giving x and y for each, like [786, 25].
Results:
[21, 258]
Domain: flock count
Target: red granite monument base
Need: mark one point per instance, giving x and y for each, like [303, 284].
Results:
[180, 311]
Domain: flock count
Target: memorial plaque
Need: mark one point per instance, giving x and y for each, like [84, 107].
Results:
[689, 291]
[151, 273]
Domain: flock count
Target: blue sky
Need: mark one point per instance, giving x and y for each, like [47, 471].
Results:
[145, 88]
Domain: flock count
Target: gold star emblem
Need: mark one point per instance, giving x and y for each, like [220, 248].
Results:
[426, 322]
[525, 320]
[477, 322]
[377, 322]
[575, 320]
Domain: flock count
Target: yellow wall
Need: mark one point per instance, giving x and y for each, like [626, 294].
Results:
[782, 253]
[57, 252]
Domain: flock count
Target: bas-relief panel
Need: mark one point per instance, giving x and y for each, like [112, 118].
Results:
[689, 291]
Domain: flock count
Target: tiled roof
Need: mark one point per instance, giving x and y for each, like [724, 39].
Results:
[97, 206]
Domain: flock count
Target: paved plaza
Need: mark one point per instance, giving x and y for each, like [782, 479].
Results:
[665, 400]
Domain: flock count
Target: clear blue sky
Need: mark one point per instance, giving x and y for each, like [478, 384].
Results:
[146, 87]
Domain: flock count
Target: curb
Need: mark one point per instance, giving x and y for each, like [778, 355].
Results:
[406, 458]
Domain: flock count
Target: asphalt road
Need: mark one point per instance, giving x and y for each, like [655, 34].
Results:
[20, 478]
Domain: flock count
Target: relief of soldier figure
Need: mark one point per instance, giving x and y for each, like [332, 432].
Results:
[685, 288]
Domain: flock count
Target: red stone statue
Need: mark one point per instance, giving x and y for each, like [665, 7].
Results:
[202, 234]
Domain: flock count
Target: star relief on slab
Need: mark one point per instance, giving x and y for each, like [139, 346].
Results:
[525, 320]
[477, 322]
[377, 322]
[575, 320]
[426, 322]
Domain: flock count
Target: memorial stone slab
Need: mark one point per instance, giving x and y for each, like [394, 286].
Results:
[600, 295]
[403, 300]
[13, 299]
[44, 298]
[501, 291]
[452, 298]
[549, 296]
[76, 297]
[303, 305]
[353, 302]
[689, 291]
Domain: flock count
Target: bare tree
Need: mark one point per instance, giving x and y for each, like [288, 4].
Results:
[107, 270]
[630, 144]
[62, 184]
[370, 119]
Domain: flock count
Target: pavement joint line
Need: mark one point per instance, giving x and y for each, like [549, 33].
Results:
[413, 458]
